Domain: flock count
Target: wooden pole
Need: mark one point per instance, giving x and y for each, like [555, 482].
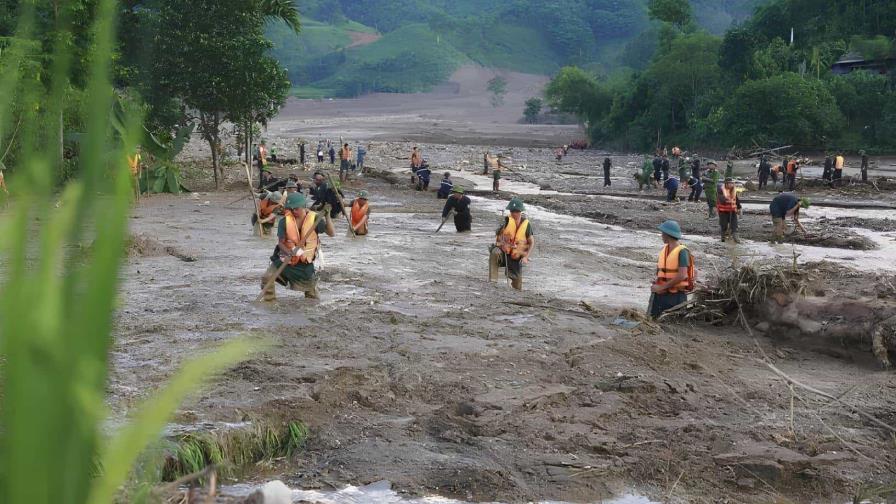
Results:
[254, 201]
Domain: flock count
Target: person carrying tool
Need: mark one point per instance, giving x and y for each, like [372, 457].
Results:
[711, 188]
[675, 272]
[607, 165]
[298, 240]
[267, 211]
[445, 187]
[360, 214]
[765, 168]
[345, 162]
[324, 195]
[514, 243]
[783, 206]
[728, 206]
[792, 167]
[839, 164]
[496, 177]
[460, 205]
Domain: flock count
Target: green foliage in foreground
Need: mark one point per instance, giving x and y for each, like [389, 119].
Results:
[56, 305]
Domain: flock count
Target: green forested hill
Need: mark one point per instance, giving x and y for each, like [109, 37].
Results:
[424, 40]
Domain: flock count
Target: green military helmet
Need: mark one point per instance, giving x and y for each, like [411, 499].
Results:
[805, 202]
[275, 196]
[458, 189]
[516, 205]
[295, 200]
[671, 228]
[362, 195]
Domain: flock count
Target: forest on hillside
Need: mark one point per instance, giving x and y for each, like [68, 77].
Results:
[423, 41]
[751, 85]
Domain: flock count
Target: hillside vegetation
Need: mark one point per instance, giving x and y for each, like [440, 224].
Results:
[424, 40]
[751, 84]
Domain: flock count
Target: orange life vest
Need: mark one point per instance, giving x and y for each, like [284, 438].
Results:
[791, 167]
[134, 163]
[359, 211]
[512, 239]
[730, 203]
[308, 234]
[266, 208]
[667, 269]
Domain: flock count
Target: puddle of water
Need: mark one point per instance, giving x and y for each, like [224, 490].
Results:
[381, 493]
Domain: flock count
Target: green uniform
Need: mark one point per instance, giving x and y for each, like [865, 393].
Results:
[729, 170]
[300, 272]
[711, 189]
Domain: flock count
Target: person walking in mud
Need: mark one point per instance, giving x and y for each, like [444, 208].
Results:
[298, 236]
[839, 164]
[514, 243]
[671, 187]
[696, 186]
[423, 174]
[416, 162]
[360, 214]
[864, 167]
[682, 168]
[302, 152]
[332, 153]
[607, 165]
[460, 205]
[496, 177]
[267, 211]
[675, 272]
[711, 189]
[320, 153]
[445, 187]
[345, 162]
[826, 172]
[262, 154]
[729, 207]
[792, 167]
[362, 155]
[783, 206]
[765, 168]
[324, 195]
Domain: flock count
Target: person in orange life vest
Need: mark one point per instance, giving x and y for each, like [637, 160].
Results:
[267, 211]
[674, 272]
[514, 243]
[728, 206]
[262, 155]
[360, 213]
[839, 164]
[792, 166]
[298, 240]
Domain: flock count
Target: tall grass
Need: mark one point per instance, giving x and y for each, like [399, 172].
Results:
[56, 306]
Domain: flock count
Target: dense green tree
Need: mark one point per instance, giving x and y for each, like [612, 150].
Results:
[213, 56]
[782, 109]
[533, 110]
[497, 86]
[678, 13]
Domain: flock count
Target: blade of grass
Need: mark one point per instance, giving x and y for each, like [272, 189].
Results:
[151, 417]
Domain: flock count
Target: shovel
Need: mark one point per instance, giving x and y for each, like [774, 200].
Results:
[341, 204]
[443, 222]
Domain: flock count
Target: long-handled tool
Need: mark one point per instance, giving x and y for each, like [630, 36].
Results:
[265, 188]
[341, 204]
[283, 263]
[650, 304]
[254, 202]
[443, 221]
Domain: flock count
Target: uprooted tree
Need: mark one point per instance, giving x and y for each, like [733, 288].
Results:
[213, 56]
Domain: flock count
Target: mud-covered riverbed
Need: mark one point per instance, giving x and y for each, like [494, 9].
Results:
[412, 368]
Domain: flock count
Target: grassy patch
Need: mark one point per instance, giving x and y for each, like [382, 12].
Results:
[502, 45]
[233, 451]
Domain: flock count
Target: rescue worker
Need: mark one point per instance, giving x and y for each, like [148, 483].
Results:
[864, 165]
[423, 174]
[711, 189]
[792, 167]
[682, 168]
[292, 186]
[665, 166]
[695, 167]
[776, 169]
[302, 153]
[298, 240]
[675, 272]
[696, 186]
[839, 164]
[320, 152]
[345, 162]
[828, 168]
[657, 169]
[729, 168]
[607, 165]
[765, 169]
[324, 195]
[671, 187]
[485, 163]
[496, 177]
[647, 177]
[783, 206]
[360, 214]
[267, 211]
[362, 155]
[514, 243]
[460, 205]
[332, 153]
[728, 206]
[262, 154]
[445, 187]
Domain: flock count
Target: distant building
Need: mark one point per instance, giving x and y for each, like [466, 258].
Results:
[851, 62]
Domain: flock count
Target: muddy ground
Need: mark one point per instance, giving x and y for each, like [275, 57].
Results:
[414, 369]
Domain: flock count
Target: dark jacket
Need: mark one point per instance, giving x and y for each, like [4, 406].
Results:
[460, 204]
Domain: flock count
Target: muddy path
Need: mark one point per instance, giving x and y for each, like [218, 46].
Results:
[414, 369]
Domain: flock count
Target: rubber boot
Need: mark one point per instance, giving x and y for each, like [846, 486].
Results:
[270, 293]
[493, 267]
[517, 283]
